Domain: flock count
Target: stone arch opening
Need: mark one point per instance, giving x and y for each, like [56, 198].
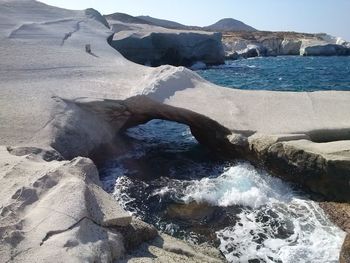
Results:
[206, 131]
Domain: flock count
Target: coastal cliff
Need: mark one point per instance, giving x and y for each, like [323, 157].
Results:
[154, 46]
[56, 126]
[261, 43]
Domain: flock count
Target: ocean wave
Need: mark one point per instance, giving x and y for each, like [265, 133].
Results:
[269, 221]
[297, 232]
[240, 184]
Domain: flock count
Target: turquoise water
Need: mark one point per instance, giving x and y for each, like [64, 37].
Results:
[288, 73]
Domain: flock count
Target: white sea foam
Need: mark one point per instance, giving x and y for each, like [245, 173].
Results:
[311, 236]
[275, 225]
[279, 225]
[241, 184]
[122, 183]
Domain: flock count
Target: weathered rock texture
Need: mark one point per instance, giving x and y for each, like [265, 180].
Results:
[168, 249]
[155, 46]
[345, 251]
[259, 43]
[325, 50]
[60, 105]
[59, 213]
[52, 206]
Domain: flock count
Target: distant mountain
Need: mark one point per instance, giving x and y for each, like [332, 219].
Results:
[229, 24]
[163, 22]
[224, 25]
[125, 18]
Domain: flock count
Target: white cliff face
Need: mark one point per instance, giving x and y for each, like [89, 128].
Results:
[155, 46]
[290, 47]
[280, 43]
[56, 210]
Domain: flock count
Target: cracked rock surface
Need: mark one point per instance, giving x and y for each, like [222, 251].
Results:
[57, 211]
[60, 105]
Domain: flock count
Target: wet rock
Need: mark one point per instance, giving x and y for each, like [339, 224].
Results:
[168, 249]
[191, 211]
[202, 219]
[339, 213]
[322, 168]
[137, 233]
[344, 256]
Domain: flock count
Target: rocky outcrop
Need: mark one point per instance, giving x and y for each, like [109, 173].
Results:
[290, 47]
[173, 48]
[339, 213]
[325, 50]
[323, 168]
[345, 251]
[283, 43]
[168, 249]
[94, 14]
[54, 124]
[37, 223]
[121, 115]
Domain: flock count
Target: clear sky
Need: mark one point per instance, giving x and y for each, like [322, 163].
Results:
[312, 16]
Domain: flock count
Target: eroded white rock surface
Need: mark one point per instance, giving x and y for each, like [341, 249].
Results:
[284, 43]
[56, 211]
[53, 209]
[153, 45]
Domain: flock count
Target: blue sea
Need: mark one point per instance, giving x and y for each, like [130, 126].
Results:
[249, 215]
[285, 73]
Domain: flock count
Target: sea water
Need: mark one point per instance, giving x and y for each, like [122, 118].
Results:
[254, 216]
[267, 219]
[285, 73]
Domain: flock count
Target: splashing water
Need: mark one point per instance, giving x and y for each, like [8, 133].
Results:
[265, 218]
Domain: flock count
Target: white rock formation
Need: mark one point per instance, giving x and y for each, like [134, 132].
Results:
[152, 45]
[284, 43]
[50, 86]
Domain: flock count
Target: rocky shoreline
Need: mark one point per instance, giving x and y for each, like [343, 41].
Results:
[150, 44]
[62, 109]
[260, 43]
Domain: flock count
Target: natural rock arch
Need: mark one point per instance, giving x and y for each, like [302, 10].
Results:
[141, 109]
